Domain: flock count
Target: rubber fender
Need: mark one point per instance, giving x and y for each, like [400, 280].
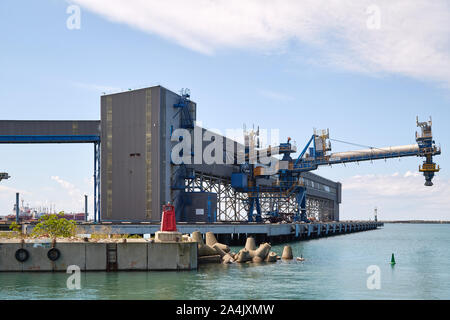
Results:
[53, 254]
[22, 255]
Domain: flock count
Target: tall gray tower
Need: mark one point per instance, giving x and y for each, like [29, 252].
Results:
[136, 127]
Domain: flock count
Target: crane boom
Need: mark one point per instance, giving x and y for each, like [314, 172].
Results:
[318, 155]
[287, 178]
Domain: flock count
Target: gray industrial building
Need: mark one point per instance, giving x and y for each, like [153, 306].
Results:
[134, 171]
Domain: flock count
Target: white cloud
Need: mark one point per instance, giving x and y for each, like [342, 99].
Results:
[8, 190]
[278, 96]
[69, 187]
[72, 199]
[96, 87]
[413, 38]
[66, 196]
[411, 174]
[401, 196]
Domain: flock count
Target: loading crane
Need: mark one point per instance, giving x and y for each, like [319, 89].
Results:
[288, 180]
[4, 175]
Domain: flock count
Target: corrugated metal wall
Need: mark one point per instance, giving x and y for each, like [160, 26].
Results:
[130, 188]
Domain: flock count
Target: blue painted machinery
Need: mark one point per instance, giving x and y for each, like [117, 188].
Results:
[185, 109]
[289, 183]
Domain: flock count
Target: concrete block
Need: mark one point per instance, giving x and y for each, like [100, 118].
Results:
[209, 259]
[187, 256]
[163, 256]
[38, 260]
[287, 253]
[72, 253]
[166, 255]
[132, 256]
[8, 261]
[95, 256]
[165, 236]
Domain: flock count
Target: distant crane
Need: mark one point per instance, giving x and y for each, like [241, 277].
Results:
[288, 172]
[4, 175]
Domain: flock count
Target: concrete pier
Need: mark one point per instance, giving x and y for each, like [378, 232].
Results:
[144, 254]
[236, 233]
[134, 254]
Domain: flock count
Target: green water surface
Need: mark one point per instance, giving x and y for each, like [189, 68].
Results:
[335, 268]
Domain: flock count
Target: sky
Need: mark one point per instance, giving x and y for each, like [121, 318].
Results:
[363, 69]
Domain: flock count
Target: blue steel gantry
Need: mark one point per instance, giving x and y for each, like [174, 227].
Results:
[288, 173]
[69, 138]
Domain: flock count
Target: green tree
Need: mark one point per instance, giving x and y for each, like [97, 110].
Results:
[15, 227]
[54, 225]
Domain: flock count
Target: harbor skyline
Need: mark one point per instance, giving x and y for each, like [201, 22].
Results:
[376, 105]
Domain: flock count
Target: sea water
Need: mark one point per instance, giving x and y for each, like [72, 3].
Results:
[351, 266]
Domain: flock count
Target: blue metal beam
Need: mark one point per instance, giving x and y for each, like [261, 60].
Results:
[311, 165]
[49, 138]
[67, 139]
[304, 150]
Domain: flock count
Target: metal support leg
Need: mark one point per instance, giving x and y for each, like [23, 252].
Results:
[99, 157]
[258, 217]
[254, 201]
[95, 182]
[99, 217]
[301, 202]
[251, 201]
[17, 208]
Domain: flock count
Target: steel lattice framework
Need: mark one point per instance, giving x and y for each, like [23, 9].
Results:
[319, 208]
[233, 205]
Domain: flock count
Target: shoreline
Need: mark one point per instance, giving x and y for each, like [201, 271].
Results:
[416, 221]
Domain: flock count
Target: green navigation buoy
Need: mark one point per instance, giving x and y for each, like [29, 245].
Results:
[392, 260]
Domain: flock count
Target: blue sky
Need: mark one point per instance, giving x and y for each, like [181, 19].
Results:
[304, 65]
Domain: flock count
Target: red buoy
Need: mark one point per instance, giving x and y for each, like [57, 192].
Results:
[168, 221]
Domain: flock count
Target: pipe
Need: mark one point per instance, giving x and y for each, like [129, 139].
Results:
[85, 208]
[17, 207]
[414, 148]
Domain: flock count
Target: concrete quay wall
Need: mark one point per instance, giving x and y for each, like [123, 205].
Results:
[99, 256]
